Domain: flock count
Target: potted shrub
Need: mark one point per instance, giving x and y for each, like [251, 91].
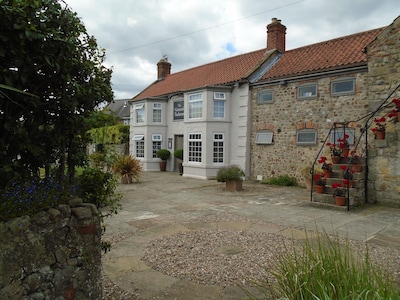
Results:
[232, 176]
[326, 167]
[339, 192]
[348, 176]
[319, 182]
[128, 167]
[163, 154]
[178, 153]
[380, 128]
[336, 153]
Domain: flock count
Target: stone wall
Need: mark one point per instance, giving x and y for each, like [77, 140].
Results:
[287, 114]
[55, 254]
[383, 77]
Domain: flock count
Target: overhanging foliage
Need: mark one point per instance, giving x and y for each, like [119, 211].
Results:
[117, 134]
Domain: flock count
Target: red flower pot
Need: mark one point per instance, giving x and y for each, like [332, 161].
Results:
[340, 201]
[356, 168]
[380, 135]
[327, 174]
[319, 189]
[335, 159]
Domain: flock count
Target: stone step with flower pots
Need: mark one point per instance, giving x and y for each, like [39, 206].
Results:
[356, 193]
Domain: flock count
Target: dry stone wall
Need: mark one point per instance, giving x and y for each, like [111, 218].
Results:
[55, 254]
[383, 77]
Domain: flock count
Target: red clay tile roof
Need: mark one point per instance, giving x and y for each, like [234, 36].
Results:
[324, 56]
[216, 73]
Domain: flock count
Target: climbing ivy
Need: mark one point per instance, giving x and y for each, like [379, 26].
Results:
[117, 134]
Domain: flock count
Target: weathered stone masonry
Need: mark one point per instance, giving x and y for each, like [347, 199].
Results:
[55, 254]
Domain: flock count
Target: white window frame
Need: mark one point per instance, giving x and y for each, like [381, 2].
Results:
[336, 82]
[157, 108]
[265, 137]
[139, 109]
[139, 143]
[338, 133]
[138, 137]
[219, 95]
[219, 105]
[306, 131]
[304, 92]
[195, 106]
[195, 147]
[218, 156]
[265, 93]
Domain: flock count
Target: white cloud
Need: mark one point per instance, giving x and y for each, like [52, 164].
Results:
[136, 34]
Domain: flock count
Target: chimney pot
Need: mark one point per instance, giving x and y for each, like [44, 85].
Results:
[276, 35]
[163, 68]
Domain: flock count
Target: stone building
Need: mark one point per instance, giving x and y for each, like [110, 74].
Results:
[268, 111]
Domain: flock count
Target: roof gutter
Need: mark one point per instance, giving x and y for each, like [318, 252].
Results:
[311, 76]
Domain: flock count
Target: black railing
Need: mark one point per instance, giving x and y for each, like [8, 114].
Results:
[362, 154]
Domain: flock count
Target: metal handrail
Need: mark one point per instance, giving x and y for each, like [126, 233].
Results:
[364, 131]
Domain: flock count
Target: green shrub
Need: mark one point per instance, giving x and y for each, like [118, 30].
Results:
[283, 180]
[128, 167]
[97, 186]
[232, 173]
[179, 154]
[163, 154]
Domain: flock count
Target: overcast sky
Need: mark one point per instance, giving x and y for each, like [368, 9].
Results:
[137, 33]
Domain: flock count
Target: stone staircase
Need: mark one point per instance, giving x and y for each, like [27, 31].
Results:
[356, 194]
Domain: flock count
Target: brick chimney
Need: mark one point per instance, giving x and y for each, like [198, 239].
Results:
[163, 68]
[276, 35]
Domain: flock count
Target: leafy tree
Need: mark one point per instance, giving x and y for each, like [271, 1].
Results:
[46, 51]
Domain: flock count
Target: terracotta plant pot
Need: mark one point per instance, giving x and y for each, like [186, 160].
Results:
[345, 152]
[351, 184]
[163, 166]
[234, 186]
[319, 189]
[356, 168]
[327, 174]
[340, 200]
[335, 159]
[380, 135]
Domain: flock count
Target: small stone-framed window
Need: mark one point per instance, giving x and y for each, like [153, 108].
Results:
[265, 96]
[306, 137]
[343, 86]
[264, 137]
[307, 91]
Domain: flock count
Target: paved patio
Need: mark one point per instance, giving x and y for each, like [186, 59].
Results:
[164, 204]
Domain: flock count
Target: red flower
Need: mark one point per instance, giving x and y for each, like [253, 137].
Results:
[345, 182]
[392, 114]
[336, 185]
[396, 102]
[328, 144]
[374, 129]
[343, 167]
[322, 159]
[381, 120]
